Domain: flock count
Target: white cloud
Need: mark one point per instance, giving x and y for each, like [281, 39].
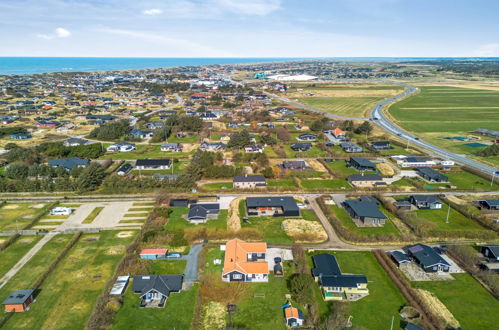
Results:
[153, 11]
[58, 33]
[62, 32]
[250, 7]
[488, 50]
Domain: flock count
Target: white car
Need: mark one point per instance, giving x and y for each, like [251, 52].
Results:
[61, 211]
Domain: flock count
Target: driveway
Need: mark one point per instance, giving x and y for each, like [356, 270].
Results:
[191, 269]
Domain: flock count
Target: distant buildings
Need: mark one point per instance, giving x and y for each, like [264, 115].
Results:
[249, 181]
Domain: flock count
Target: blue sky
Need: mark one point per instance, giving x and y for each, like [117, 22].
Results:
[249, 28]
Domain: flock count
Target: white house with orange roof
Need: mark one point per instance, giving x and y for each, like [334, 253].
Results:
[245, 262]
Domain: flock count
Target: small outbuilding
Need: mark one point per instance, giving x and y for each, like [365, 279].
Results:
[294, 317]
[153, 254]
[19, 300]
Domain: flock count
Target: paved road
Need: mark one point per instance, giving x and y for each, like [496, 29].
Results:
[180, 101]
[27, 257]
[191, 269]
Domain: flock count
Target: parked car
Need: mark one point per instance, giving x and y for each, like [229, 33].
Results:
[174, 255]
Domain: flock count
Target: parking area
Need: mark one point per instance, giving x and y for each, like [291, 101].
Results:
[284, 254]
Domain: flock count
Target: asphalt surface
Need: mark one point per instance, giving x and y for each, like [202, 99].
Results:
[191, 269]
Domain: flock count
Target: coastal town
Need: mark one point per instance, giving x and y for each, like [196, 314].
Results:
[249, 196]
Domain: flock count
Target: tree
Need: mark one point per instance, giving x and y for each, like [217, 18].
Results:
[347, 125]
[282, 134]
[268, 173]
[268, 139]
[364, 128]
[492, 150]
[300, 286]
[111, 131]
[239, 140]
[162, 134]
[91, 177]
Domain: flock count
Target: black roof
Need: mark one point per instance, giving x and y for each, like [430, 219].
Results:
[179, 202]
[18, 297]
[400, 257]
[362, 162]
[325, 264]
[125, 168]
[380, 143]
[153, 162]
[345, 281]
[202, 210]
[249, 178]
[286, 202]
[493, 248]
[164, 284]
[426, 198]
[364, 177]
[490, 202]
[431, 173]
[426, 256]
[412, 326]
[364, 207]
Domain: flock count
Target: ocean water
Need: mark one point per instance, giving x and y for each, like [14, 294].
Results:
[33, 65]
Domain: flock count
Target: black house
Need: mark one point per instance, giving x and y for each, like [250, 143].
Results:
[426, 202]
[272, 206]
[301, 146]
[491, 252]
[431, 175]
[199, 213]
[366, 210]
[381, 145]
[428, 259]
[154, 290]
[361, 164]
[489, 204]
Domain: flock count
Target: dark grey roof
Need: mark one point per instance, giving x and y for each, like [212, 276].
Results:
[493, 248]
[153, 162]
[362, 162]
[365, 208]
[202, 210]
[400, 257]
[294, 163]
[69, 163]
[380, 143]
[18, 297]
[412, 326]
[164, 284]
[364, 177]
[430, 199]
[431, 173]
[416, 159]
[490, 202]
[249, 178]
[286, 202]
[344, 281]
[325, 265]
[426, 256]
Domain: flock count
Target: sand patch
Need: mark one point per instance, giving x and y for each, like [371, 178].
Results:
[436, 305]
[304, 231]
[123, 234]
[213, 316]
[385, 169]
[2, 240]
[11, 206]
[233, 217]
[188, 147]
[37, 206]
[456, 200]
[316, 165]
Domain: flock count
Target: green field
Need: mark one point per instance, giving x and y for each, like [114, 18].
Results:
[218, 186]
[16, 251]
[312, 152]
[92, 215]
[443, 111]
[457, 221]
[340, 167]
[347, 222]
[23, 213]
[327, 184]
[467, 300]
[77, 282]
[168, 266]
[384, 300]
[176, 221]
[281, 183]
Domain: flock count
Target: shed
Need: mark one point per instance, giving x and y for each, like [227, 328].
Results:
[19, 300]
[153, 254]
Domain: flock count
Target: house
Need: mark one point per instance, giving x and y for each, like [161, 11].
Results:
[153, 254]
[209, 115]
[154, 125]
[20, 136]
[181, 202]
[366, 180]
[121, 147]
[140, 134]
[361, 164]
[253, 149]
[153, 164]
[293, 316]
[338, 133]
[427, 258]
[491, 252]
[61, 210]
[19, 300]
[74, 142]
[301, 146]
[381, 145]
[431, 175]
[47, 123]
[426, 202]
[245, 262]
[403, 205]
[294, 165]
[171, 147]
[69, 163]
[249, 181]
[209, 146]
[200, 213]
[350, 147]
[489, 204]
[307, 137]
[412, 326]
[154, 290]
[272, 206]
[103, 118]
[225, 137]
[413, 161]
[365, 210]
[400, 257]
[333, 283]
[119, 285]
[124, 169]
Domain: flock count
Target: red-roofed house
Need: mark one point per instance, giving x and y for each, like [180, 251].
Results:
[153, 254]
[245, 262]
[337, 133]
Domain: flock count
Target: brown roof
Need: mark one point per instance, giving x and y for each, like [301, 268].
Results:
[291, 312]
[236, 256]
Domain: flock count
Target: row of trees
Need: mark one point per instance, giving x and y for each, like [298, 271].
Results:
[178, 123]
[111, 131]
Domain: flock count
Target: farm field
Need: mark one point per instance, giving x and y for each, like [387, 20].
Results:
[480, 309]
[383, 296]
[92, 262]
[23, 213]
[438, 112]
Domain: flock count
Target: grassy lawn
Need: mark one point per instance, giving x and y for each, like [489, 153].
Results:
[280, 183]
[176, 221]
[188, 139]
[384, 298]
[218, 186]
[340, 167]
[143, 204]
[347, 222]
[312, 152]
[136, 215]
[467, 300]
[95, 212]
[77, 281]
[325, 184]
[138, 209]
[168, 266]
[23, 213]
[271, 229]
[16, 251]
[467, 180]
[457, 221]
[177, 313]
[34, 269]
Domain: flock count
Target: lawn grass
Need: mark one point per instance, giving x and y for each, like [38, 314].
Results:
[281, 183]
[312, 152]
[340, 167]
[457, 221]
[384, 300]
[218, 186]
[467, 300]
[176, 221]
[133, 220]
[95, 212]
[467, 180]
[16, 251]
[136, 215]
[136, 209]
[322, 184]
[77, 282]
[271, 229]
[168, 266]
[347, 222]
[177, 313]
[23, 213]
[143, 204]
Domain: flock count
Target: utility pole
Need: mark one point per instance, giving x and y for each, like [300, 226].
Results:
[448, 213]
[391, 326]
[493, 176]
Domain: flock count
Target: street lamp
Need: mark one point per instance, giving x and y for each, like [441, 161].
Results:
[493, 176]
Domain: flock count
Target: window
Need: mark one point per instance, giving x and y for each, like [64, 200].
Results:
[237, 276]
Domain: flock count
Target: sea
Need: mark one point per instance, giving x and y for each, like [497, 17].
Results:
[35, 65]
